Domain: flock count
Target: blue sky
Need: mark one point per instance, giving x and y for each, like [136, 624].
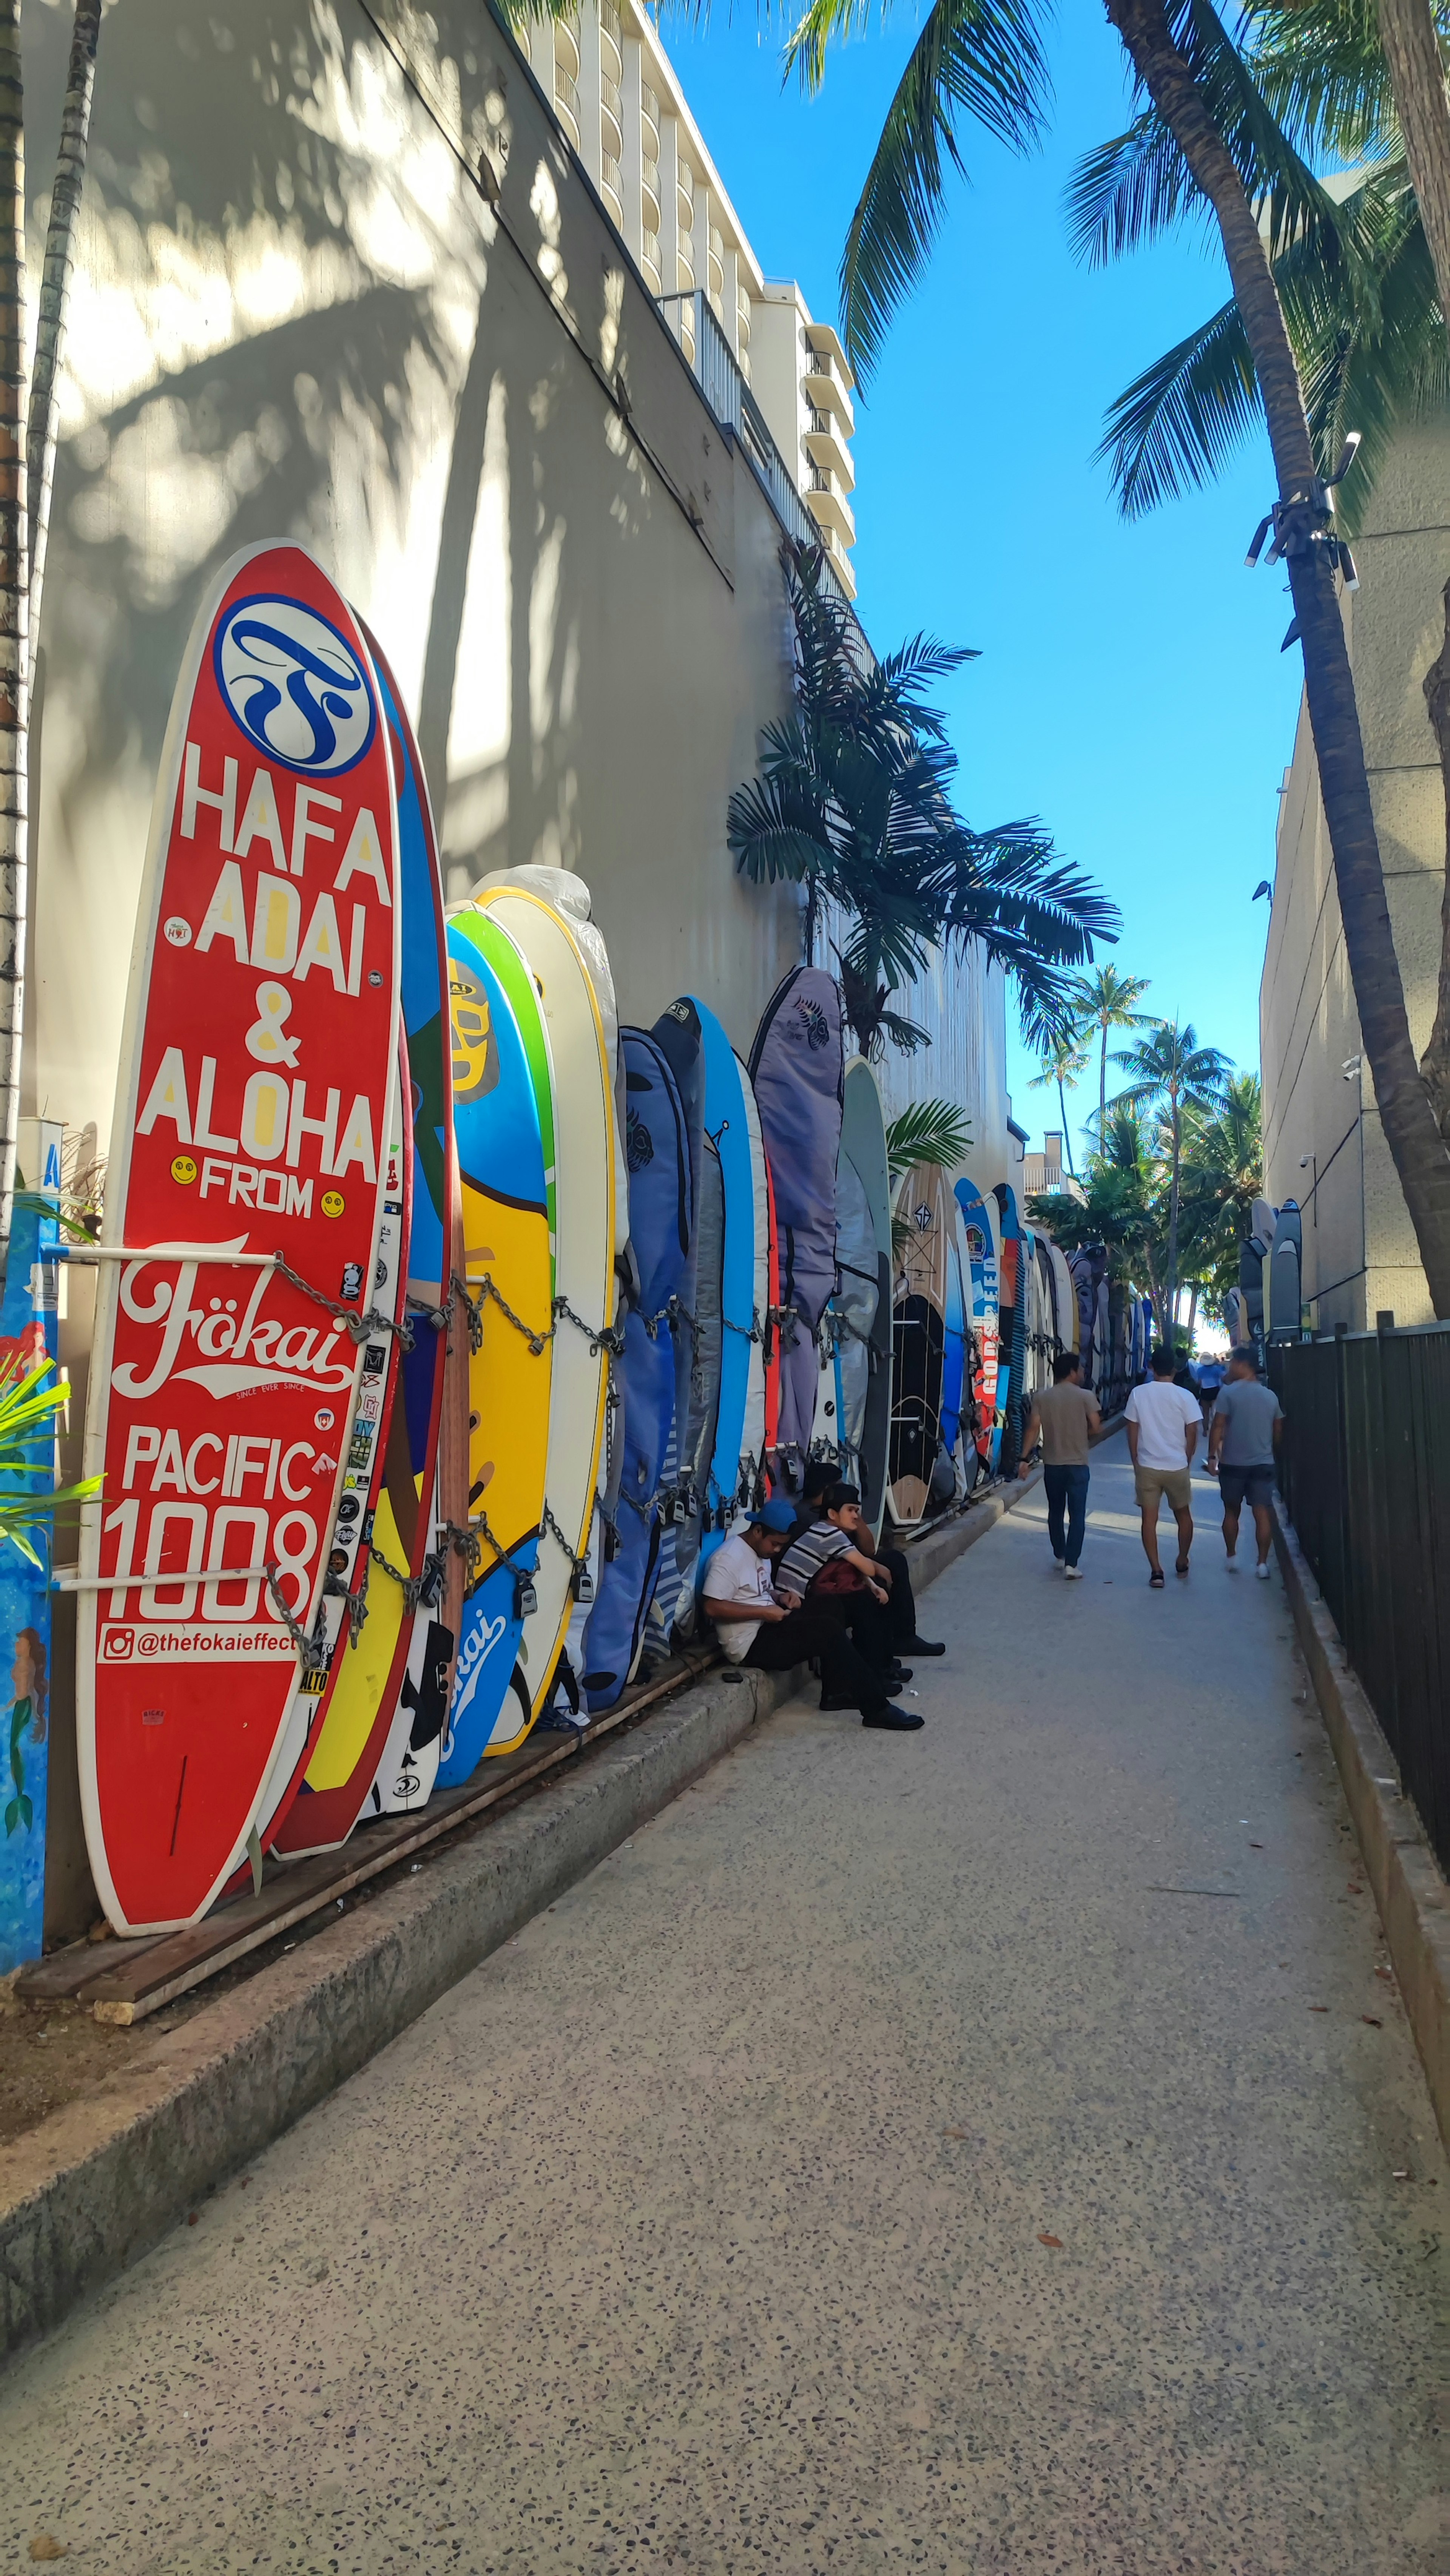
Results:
[1131, 690]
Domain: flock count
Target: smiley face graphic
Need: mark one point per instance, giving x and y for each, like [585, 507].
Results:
[183, 1169]
[475, 1055]
[333, 1203]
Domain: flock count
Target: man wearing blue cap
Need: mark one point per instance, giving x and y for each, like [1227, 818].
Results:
[771, 1632]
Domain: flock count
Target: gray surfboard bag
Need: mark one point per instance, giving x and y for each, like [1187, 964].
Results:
[798, 1070]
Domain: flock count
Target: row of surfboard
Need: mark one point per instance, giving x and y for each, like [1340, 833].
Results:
[419, 1416]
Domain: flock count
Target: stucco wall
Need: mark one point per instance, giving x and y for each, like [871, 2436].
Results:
[1359, 1247]
[339, 279]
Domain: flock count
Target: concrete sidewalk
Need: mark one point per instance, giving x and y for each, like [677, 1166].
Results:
[992, 2152]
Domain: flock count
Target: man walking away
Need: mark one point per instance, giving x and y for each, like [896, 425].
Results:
[820, 1475]
[1243, 1437]
[1163, 1426]
[770, 1634]
[1062, 1416]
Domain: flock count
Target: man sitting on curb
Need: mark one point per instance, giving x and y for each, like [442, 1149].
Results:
[888, 1563]
[1242, 1440]
[756, 1627]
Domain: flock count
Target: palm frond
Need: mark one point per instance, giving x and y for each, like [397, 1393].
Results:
[978, 58]
[1321, 70]
[934, 1132]
[1177, 423]
[1129, 191]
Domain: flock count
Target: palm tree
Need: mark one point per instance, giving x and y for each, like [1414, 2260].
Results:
[1064, 1064]
[1121, 1209]
[27, 462]
[1223, 1174]
[986, 58]
[1104, 1002]
[852, 803]
[1169, 1073]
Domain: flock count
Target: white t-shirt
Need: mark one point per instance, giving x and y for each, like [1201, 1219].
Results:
[1162, 1412]
[736, 1573]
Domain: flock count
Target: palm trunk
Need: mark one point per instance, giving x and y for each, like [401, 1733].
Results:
[65, 199]
[14, 566]
[1173, 1225]
[1435, 1062]
[1066, 1135]
[1422, 104]
[1192, 1316]
[1408, 1118]
[1103, 1087]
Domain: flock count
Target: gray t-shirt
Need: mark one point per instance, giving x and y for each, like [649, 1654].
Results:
[1250, 1410]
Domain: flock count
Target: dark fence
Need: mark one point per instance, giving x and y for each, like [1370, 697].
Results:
[1366, 1478]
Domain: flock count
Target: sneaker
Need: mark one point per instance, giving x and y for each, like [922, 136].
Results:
[1072, 1573]
[1231, 1562]
[1262, 1572]
[899, 1721]
[922, 1646]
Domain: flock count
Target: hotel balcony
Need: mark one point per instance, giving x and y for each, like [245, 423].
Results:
[826, 446]
[566, 79]
[825, 498]
[837, 557]
[826, 384]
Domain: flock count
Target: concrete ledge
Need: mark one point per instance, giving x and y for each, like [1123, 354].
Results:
[90, 2189]
[1409, 1888]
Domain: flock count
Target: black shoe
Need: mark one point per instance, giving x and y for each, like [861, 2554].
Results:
[922, 1646]
[831, 1705]
[900, 1721]
[898, 1676]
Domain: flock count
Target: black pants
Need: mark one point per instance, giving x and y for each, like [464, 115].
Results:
[806, 1634]
[900, 1612]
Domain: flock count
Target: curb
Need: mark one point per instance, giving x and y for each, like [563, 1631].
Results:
[1409, 1888]
[91, 2188]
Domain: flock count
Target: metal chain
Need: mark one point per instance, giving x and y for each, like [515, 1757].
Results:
[537, 1342]
[472, 1307]
[580, 1583]
[754, 1332]
[360, 1327]
[521, 1573]
[410, 1585]
[355, 1603]
[313, 1650]
[600, 1337]
[464, 1542]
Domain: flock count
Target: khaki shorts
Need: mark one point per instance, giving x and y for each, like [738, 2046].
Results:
[1151, 1482]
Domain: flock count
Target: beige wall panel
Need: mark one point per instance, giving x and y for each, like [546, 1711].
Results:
[1308, 1023]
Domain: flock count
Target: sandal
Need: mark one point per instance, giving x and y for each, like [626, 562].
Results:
[1155, 1582]
[1182, 1566]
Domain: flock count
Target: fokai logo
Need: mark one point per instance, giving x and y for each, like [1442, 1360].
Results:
[295, 687]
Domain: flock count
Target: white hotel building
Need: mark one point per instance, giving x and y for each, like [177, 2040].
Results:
[618, 100]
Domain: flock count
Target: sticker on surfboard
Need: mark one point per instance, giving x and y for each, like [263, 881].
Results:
[259, 1039]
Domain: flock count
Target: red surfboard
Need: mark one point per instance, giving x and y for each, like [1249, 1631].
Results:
[261, 1030]
[772, 1339]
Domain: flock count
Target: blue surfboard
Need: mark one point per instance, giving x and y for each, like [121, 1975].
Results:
[734, 1471]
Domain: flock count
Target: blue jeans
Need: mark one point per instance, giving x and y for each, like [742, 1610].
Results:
[1067, 1491]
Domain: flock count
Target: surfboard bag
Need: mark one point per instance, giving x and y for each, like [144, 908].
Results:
[697, 1333]
[798, 1068]
[855, 1306]
[661, 1213]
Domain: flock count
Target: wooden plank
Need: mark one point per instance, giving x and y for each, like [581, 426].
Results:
[59, 1977]
[128, 1990]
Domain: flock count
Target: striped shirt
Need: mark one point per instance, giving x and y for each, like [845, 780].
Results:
[807, 1554]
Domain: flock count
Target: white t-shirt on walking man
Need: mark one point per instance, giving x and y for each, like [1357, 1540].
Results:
[1162, 1412]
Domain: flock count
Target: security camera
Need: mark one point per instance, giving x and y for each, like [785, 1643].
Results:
[1351, 1066]
[1304, 1162]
